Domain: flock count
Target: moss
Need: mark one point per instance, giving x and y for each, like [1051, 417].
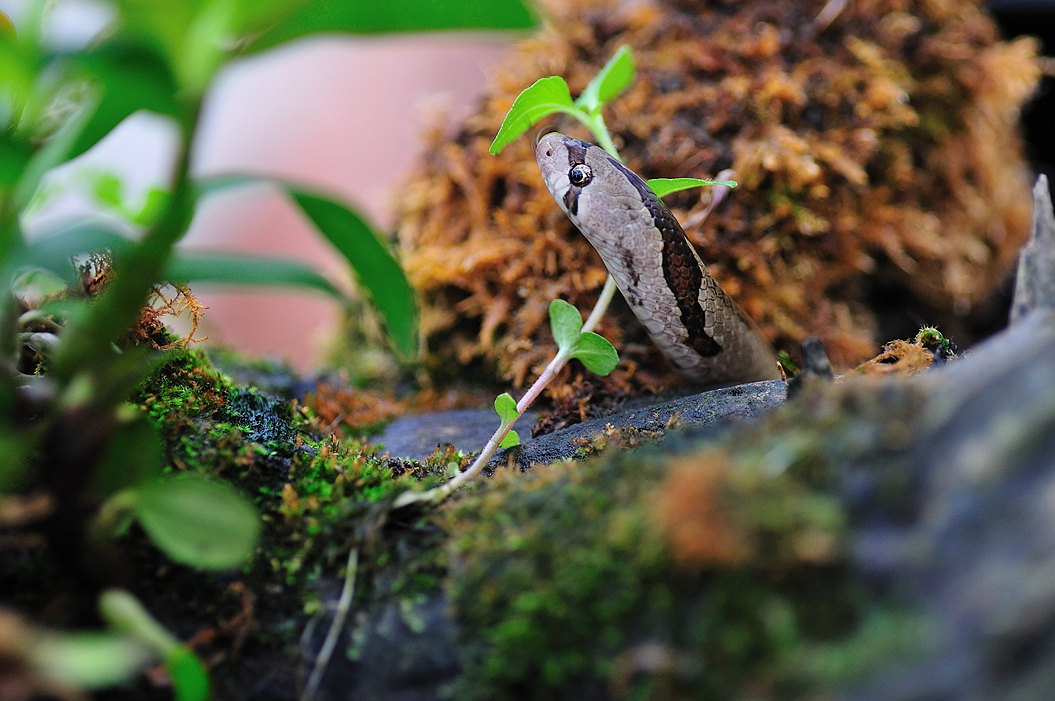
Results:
[639, 577]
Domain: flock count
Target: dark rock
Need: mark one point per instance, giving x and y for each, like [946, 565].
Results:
[417, 436]
[398, 652]
[707, 410]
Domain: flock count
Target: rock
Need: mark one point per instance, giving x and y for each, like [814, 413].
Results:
[1035, 280]
[708, 410]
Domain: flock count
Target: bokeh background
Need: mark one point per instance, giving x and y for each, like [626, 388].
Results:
[345, 115]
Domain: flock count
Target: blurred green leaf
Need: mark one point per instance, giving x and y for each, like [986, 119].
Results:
[363, 17]
[124, 613]
[198, 522]
[542, 98]
[613, 79]
[16, 447]
[666, 186]
[596, 353]
[188, 674]
[134, 457]
[565, 322]
[56, 252]
[89, 660]
[237, 269]
[511, 440]
[373, 264]
[53, 153]
[14, 156]
[131, 77]
[153, 205]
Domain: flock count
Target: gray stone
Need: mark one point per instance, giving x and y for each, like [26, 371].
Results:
[1035, 280]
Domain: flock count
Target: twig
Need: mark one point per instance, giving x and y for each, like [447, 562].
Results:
[326, 651]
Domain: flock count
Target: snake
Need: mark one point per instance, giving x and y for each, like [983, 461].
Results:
[701, 331]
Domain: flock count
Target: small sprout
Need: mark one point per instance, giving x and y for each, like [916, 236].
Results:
[592, 350]
[506, 408]
[565, 322]
[596, 353]
[544, 97]
[667, 186]
[613, 79]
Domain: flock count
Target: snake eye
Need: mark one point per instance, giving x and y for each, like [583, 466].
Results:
[580, 174]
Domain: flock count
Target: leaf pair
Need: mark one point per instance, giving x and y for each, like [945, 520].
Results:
[551, 96]
[591, 349]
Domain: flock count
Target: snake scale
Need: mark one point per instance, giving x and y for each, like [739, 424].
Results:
[696, 325]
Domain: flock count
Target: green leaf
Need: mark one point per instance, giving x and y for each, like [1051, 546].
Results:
[375, 267]
[14, 156]
[53, 153]
[364, 17]
[188, 674]
[134, 457]
[666, 186]
[511, 440]
[198, 522]
[565, 322]
[89, 660]
[506, 408]
[596, 353]
[238, 269]
[16, 448]
[613, 79]
[131, 77]
[544, 97]
[56, 252]
[124, 613]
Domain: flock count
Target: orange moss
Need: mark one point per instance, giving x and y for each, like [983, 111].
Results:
[693, 514]
[904, 357]
[883, 147]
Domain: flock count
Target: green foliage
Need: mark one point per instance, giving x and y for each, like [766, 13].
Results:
[666, 186]
[615, 77]
[544, 97]
[551, 95]
[561, 576]
[90, 660]
[374, 266]
[314, 16]
[72, 433]
[197, 522]
[506, 408]
[592, 350]
[126, 615]
[248, 270]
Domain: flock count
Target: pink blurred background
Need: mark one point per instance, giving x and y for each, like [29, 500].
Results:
[344, 115]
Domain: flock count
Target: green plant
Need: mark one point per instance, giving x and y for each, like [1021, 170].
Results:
[574, 338]
[71, 356]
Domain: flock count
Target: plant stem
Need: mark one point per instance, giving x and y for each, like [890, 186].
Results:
[344, 604]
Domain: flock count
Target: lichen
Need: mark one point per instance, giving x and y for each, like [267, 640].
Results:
[878, 158]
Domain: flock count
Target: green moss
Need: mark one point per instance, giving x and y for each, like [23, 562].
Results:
[571, 581]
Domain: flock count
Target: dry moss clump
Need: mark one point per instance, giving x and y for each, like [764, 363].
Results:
[880, 152]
